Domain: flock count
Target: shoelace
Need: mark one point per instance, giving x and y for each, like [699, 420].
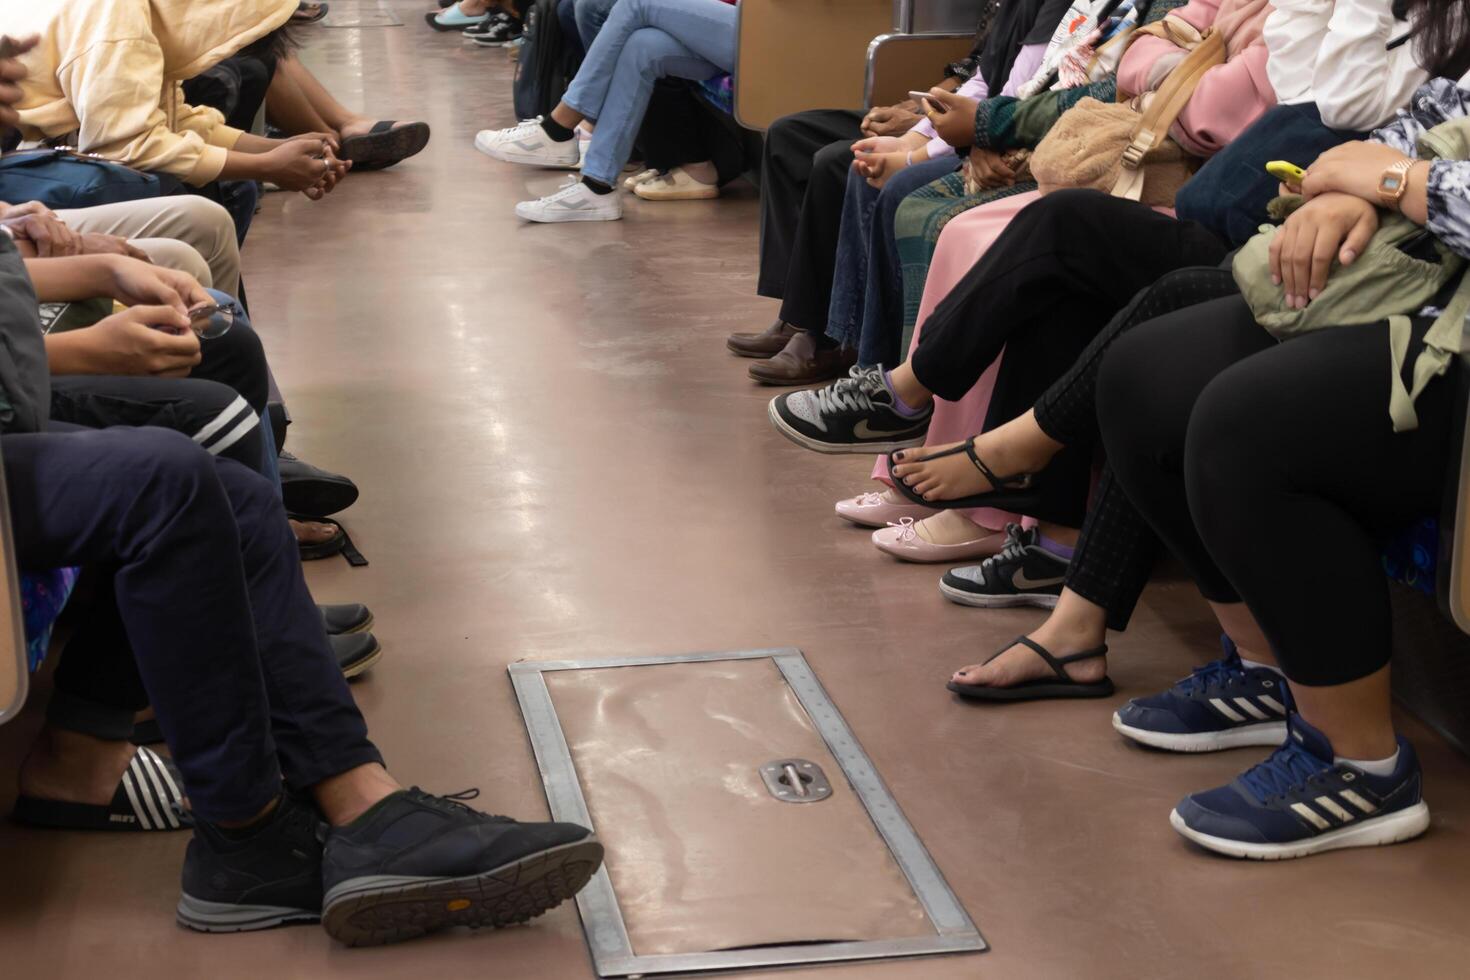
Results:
[1288, 768]
[906, 531]
[454, 802]
[870, 499]
[1013, 550]
[853, 393]
[1215, 672]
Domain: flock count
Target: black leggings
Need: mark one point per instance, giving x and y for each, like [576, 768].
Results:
[1272, 471]
[1046, 287]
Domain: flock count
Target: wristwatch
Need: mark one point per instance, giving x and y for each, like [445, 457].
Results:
[1394, 183]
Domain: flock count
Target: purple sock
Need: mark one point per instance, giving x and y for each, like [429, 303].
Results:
[1056, 548]
[902, 407]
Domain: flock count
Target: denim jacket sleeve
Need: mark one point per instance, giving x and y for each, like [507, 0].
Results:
[1448, 190]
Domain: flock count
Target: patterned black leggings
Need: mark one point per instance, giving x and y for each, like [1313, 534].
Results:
[1116, 552]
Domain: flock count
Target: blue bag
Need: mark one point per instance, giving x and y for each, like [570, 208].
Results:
[62, 179]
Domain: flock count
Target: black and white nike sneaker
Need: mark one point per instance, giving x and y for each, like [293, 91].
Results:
[499, 30]
[855, 414]
[1023, 573]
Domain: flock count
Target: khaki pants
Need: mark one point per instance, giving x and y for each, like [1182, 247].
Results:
[184, 232]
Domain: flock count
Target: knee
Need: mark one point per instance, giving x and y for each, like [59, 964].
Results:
[210, 223]
[647, 47]
[834, 159]
[179, 256]
[173, 463]
[1230, 446]
[257, 503]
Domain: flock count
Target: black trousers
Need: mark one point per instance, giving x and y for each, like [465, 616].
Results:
[803, 179]
[1047, 286]
[679, 129]
[230, 646]
[1272, 470]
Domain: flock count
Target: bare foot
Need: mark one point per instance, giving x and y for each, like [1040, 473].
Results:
[74, 768]
[1020, 663]
[313, 532]
[954, 476]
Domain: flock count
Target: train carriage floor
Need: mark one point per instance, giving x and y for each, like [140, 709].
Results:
[560, 460]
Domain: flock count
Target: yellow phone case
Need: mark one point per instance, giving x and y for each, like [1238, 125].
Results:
[1287, 173]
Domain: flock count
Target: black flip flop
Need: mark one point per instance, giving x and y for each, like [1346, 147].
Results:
[149, 798]
[338, 544]
[383, 145]
[302, 17]
[1062, 687]
[1013, 493]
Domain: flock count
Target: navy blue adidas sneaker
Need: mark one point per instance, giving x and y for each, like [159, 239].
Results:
[1222, 705]
[1299, 802]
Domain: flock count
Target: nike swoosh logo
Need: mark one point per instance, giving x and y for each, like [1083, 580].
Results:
[863, 431]
[1021, 581]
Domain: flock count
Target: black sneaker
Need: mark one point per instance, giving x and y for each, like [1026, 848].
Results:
[417, 863]
[271, 878]
[855, 414]
[1023, 573]
[497, 31]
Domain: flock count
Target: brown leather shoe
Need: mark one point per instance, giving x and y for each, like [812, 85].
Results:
[767, 343]
[802, 362]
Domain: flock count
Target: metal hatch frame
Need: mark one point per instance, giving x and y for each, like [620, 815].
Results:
[602, 919]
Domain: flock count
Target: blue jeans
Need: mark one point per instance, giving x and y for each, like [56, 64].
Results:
[641, 42]
[1230, 192]
[867, 286]
[590, 16]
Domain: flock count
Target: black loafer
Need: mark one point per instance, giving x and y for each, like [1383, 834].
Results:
[348, 617]
[356, 652]
[312, 490]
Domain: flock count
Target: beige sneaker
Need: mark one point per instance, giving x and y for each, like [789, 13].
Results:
[638, 178]
[676, 185]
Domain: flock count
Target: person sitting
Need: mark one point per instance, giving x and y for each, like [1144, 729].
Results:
[108, 79]
[641, 41]
[296, 819]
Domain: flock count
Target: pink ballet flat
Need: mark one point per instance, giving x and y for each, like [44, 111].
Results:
[902, 540]
[871, 510]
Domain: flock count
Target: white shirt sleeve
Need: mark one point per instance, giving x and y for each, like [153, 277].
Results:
[1337, 55]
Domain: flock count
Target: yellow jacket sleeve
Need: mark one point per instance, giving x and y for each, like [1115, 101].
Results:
[114, 89]
[208, 123]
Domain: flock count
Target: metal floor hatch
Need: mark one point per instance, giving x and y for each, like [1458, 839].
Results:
[744, 824]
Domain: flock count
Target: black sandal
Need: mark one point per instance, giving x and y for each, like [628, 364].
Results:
[383, 146]
[1013, 493]
[338, 544]
[1062, 687]
[149, 797]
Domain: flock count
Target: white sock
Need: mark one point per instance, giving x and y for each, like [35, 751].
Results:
[1253, 665]
[1373, 767]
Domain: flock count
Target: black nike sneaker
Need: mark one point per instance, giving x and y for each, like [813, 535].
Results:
[1023, 573]
[499, 30]
[271, 878]
[855, 414]
[416, 863]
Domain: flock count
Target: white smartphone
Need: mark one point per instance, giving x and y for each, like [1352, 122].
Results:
[924, 98]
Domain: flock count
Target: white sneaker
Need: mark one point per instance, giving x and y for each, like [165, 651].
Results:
[639, 178]
[676, 185]
[528, 144]
[574, 202]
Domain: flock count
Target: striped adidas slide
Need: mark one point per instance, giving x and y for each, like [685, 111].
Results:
[149, 797]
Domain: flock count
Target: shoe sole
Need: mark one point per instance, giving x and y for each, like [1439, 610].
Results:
[753, 355]
[1373, 832]
[382, 909]
[525, 159]
[834, 449]
[364, 665]
[202, 916]
[915, 558]
[1271, 733]
[571, 216]
[708, 195]
[981, 601]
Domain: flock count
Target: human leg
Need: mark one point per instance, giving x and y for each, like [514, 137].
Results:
[196, 221]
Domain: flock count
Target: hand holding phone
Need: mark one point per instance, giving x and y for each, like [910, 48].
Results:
[933, 104]
[1288, 173]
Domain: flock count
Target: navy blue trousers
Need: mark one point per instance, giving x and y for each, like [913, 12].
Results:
[228, 643]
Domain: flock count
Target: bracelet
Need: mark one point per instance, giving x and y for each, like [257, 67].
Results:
[908, 161]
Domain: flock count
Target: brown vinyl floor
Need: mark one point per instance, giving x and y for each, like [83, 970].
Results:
[559, 459]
